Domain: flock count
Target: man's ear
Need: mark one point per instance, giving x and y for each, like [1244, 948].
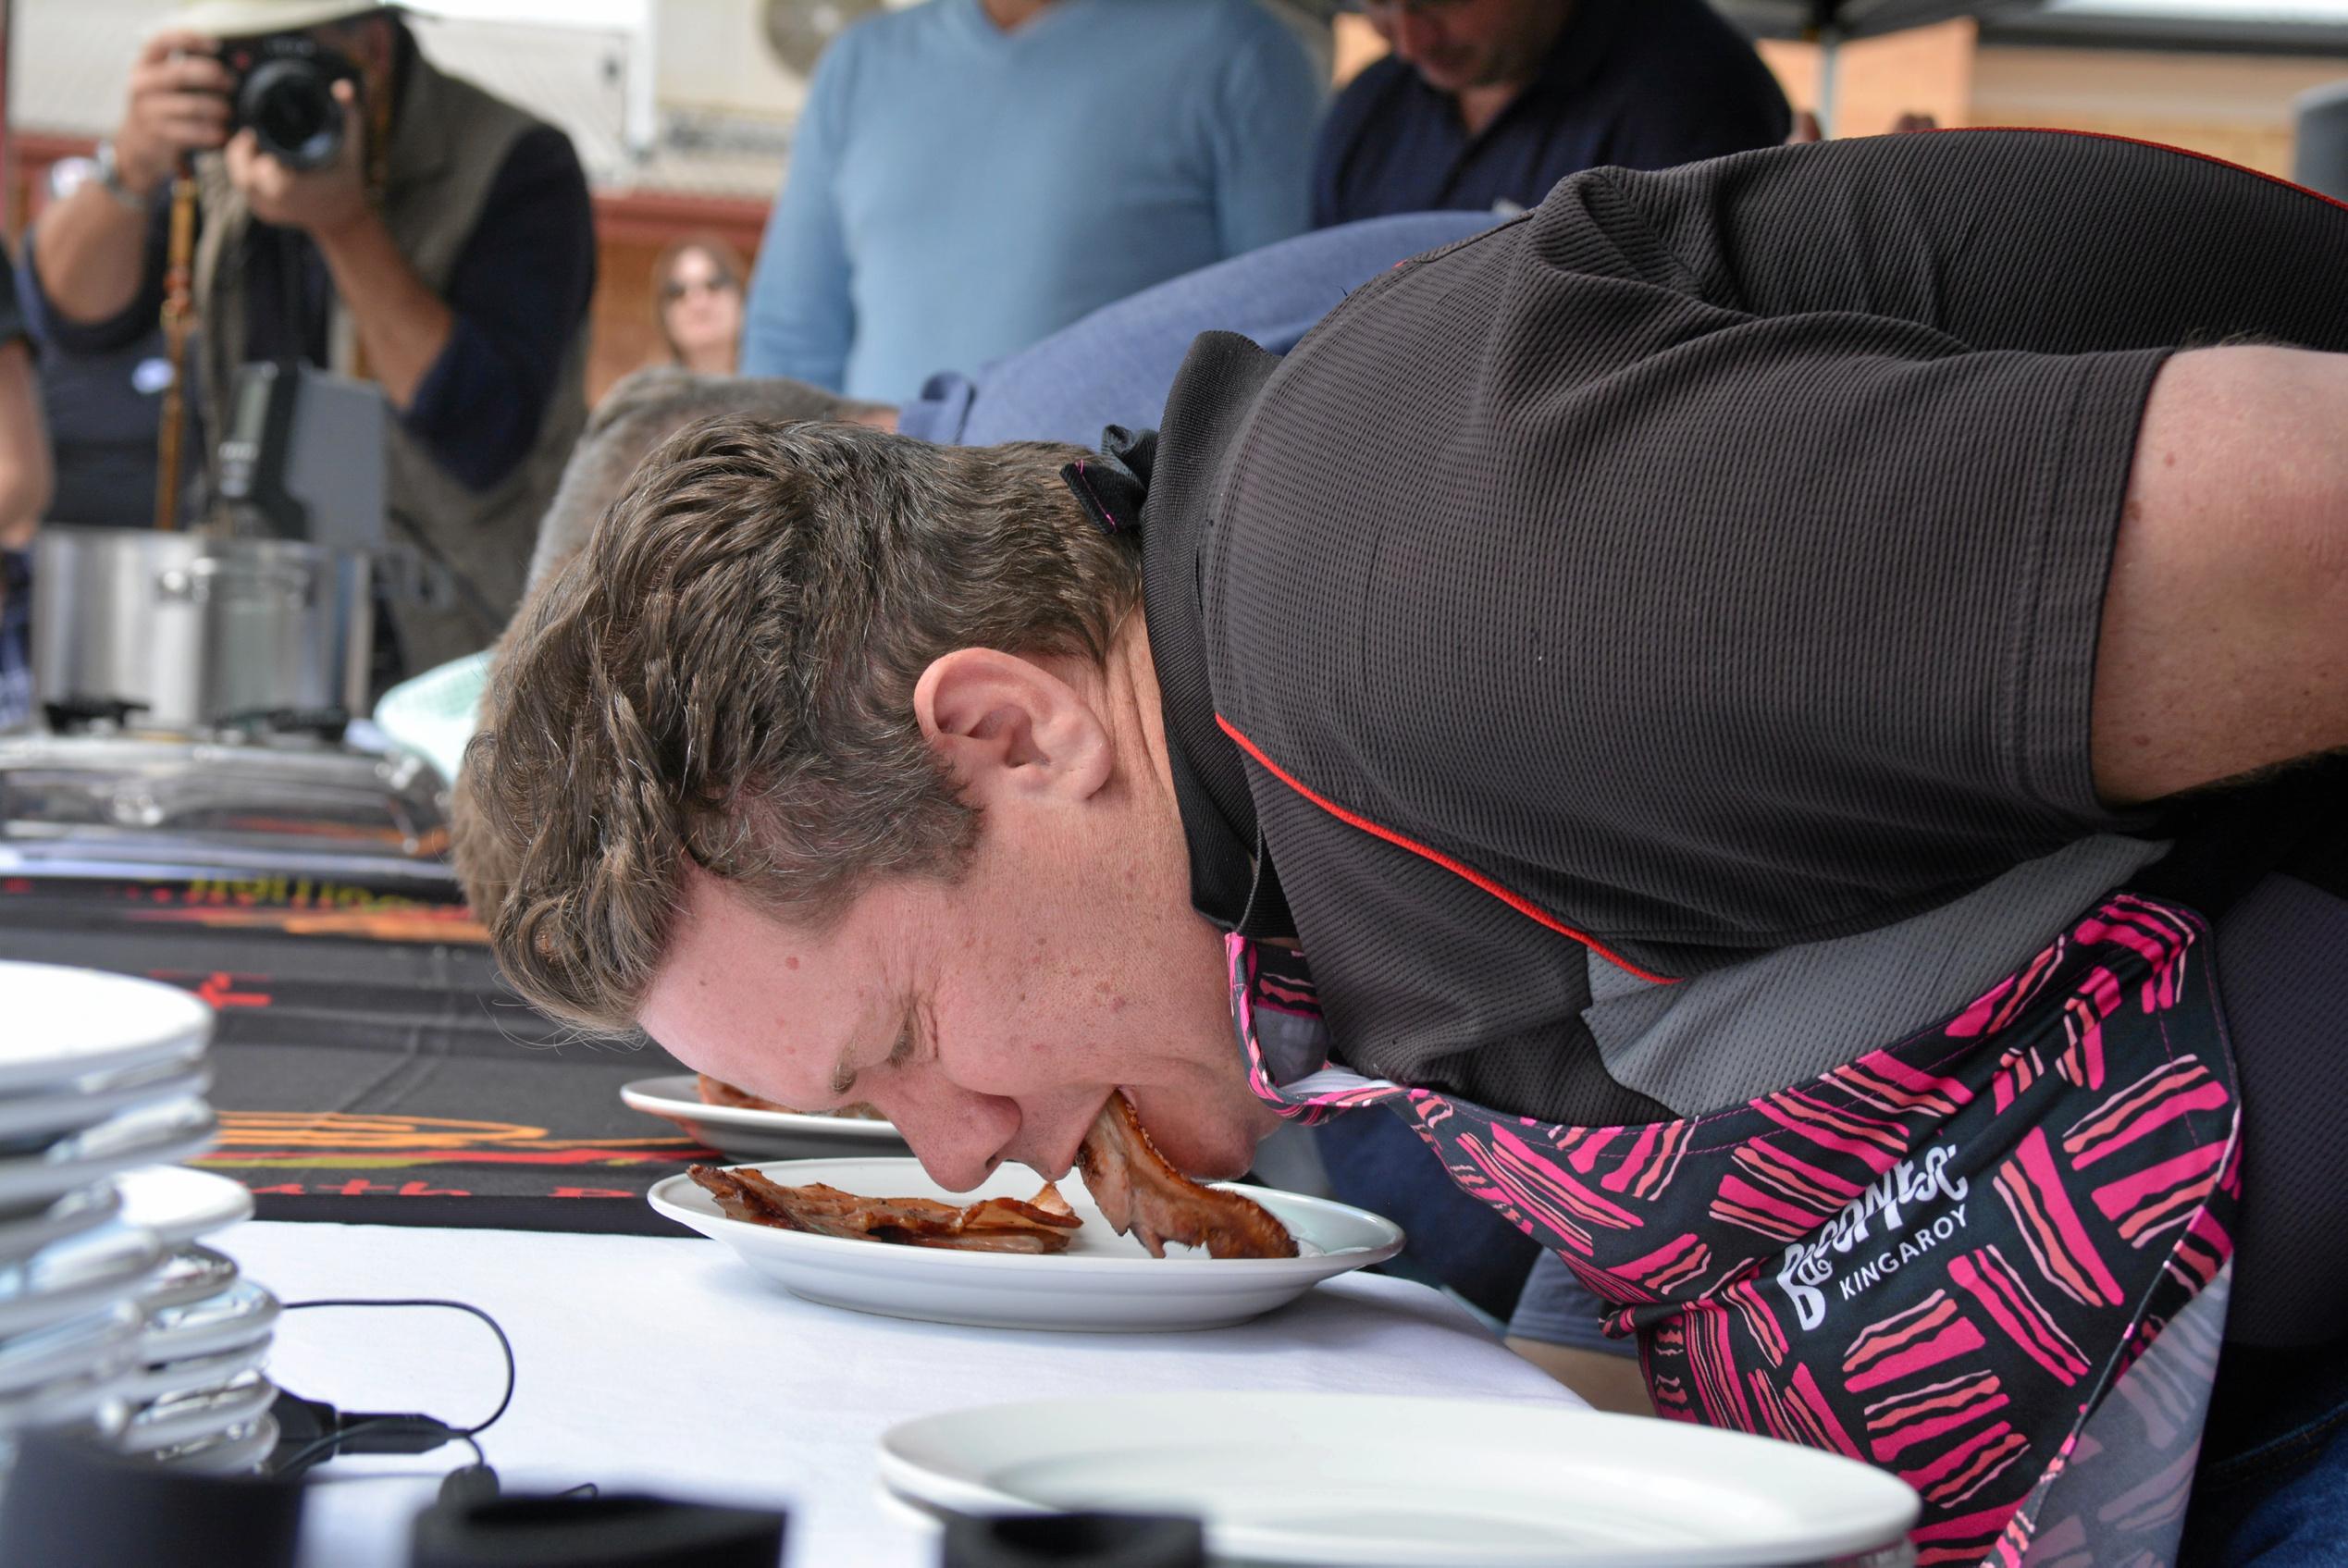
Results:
[1009, 727]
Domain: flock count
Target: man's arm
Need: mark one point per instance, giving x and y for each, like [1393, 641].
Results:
[402, 326]
[93, 262]
[2220, 647]
[2224, 645]
[26, 476]
[801, 318]
[516, 296]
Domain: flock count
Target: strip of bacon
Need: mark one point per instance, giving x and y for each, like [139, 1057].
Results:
[1142, 1195]
[993, 1224]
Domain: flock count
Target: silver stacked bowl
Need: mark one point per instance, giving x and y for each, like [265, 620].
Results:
[198, 1396]
[114, 1320]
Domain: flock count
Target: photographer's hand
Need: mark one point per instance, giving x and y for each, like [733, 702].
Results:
[179, 105]
[93, 250]
[319, 202]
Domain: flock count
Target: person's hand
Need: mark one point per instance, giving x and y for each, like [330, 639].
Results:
[179, 105]
[319, 201]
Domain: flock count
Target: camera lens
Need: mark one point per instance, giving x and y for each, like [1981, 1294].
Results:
[290, 104]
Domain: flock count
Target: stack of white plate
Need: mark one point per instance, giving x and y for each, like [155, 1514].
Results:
[197, 1394]
[102, 1076]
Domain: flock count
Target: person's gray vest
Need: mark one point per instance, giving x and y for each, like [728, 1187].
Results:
[449, 140]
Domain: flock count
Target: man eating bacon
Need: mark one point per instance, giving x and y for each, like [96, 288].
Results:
[1759, 707]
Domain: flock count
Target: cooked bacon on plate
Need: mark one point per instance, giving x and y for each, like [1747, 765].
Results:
[993, 1225]
[714, 1093]
[1143, 1195]
[1139, 1195]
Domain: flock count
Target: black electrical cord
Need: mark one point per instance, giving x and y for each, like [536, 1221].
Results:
[504, 1344]
[366, 1432]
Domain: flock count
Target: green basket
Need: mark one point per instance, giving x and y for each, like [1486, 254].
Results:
[435, 713]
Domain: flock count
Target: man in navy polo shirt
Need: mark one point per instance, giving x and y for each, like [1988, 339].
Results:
[1484, 105]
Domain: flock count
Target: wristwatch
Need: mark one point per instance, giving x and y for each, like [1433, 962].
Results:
[110, 176]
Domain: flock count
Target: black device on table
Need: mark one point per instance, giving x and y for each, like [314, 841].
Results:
[302, 457]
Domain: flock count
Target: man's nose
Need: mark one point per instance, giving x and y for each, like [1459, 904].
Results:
[958, 1137]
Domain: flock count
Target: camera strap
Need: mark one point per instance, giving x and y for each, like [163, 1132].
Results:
[178, 320]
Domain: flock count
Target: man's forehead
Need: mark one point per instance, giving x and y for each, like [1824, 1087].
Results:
[734, 974]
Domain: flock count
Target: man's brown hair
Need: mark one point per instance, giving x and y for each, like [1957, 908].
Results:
[725, 677]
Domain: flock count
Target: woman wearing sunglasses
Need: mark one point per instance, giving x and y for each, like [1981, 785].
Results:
[697, 289]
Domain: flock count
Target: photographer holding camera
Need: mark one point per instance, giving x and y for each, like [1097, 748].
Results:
[361, 211]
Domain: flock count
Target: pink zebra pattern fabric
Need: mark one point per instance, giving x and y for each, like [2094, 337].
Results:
[1939, 1259]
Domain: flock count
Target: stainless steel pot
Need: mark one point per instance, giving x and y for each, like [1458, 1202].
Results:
[192, 633]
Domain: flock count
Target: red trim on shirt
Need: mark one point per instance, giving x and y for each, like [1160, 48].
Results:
[2159, 147]
[1522, 905]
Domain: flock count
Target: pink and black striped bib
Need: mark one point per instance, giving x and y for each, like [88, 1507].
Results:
[1990, 1258]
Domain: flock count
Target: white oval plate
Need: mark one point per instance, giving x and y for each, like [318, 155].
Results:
[1104, 1283]
[178, 1419]
[70, 1213]
[92, 1397]
[145, 1385]
[758, 1135]
[79, 1102]
[66, 1022]
[79, 1274]
[1392, 1482]
[233, 1452]
[162, 1135]
[192, 1275]
[242, 1314]
[103, 1341]
[180, 1205]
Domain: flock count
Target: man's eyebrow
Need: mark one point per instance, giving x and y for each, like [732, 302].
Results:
[843, 1076]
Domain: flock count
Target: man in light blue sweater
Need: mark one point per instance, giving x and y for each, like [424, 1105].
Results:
[970, 175]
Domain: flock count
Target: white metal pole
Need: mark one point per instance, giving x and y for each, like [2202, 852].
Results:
[1829, 70]
[640, 123]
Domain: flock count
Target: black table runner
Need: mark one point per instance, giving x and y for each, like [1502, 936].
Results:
[369, 1065]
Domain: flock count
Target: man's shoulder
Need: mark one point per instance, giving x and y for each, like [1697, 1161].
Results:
[472, 119]
[472, 113]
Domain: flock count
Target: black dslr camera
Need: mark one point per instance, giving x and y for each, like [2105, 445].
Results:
[284, 91]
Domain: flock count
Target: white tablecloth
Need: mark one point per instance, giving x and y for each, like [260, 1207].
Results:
[668, 1366]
